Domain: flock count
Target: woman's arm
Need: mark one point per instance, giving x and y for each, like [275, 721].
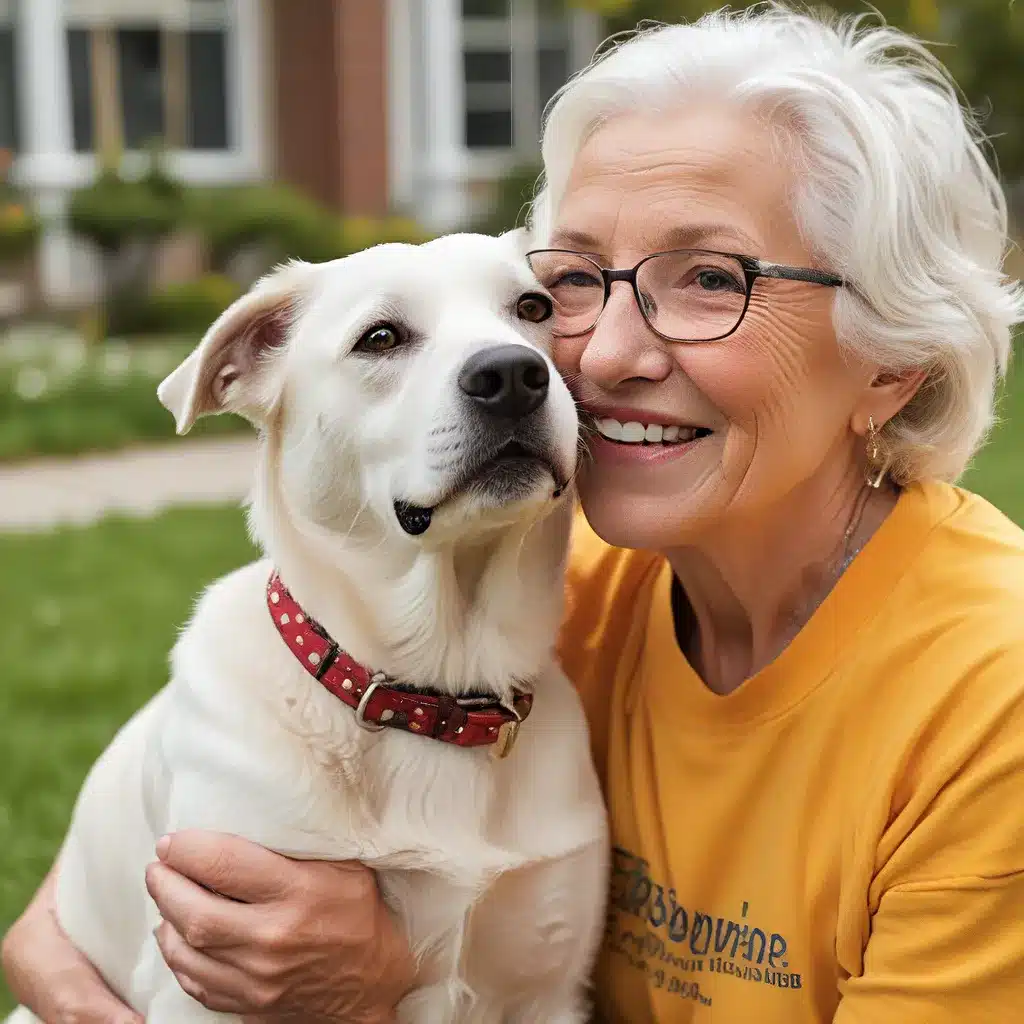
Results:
[49, 976]
[275, 940]
[945, 940]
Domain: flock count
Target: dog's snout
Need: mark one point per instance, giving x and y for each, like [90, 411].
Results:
[508, 381]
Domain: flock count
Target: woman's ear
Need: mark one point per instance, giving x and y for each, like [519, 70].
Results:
[228, 370]
[884, 397]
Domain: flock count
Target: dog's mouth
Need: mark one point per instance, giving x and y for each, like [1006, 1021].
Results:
[509, 474]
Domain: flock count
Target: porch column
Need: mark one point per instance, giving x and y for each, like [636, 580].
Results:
[444, 193]
[47, 142]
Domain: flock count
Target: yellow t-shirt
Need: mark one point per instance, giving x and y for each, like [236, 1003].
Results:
[841, 838]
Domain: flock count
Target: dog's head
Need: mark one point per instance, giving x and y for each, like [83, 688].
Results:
[409, 386]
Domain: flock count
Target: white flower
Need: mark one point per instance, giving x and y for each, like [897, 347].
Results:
[70, 355]
[116, 361]
[30, 383]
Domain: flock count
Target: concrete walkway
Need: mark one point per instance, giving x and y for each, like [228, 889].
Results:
[51, 492]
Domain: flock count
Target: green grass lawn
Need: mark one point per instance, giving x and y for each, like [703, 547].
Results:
[998, 469]
[87, 617]
[60, 396]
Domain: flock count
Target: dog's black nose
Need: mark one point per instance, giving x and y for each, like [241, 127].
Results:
[507, 381]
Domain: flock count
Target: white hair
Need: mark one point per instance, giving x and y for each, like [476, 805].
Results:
[894, 194]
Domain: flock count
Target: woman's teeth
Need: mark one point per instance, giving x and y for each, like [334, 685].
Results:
[651, 433]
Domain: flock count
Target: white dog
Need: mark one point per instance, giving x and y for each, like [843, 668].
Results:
[347, 697]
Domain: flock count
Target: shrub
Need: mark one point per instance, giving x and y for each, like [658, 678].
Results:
[127, 219]
[275, 217]
[512, 196]
[286, 224]
[113, 211]
[187, 308]
[19, 226]
[363, 232]
[19, 229]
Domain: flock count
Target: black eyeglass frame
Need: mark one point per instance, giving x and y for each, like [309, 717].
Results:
[753, 268]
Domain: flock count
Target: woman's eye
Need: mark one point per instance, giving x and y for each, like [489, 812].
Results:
[533, 308]
[379, 339]
[716, 281]
[577, 279]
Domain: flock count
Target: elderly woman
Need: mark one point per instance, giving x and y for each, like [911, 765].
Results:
[774, 248]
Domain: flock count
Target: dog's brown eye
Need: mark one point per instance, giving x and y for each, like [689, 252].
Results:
[534, 308]
[381, 338]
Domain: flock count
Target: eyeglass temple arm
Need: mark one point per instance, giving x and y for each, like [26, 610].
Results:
[798, 274]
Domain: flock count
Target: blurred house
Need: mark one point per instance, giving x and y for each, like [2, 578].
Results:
[368, 105]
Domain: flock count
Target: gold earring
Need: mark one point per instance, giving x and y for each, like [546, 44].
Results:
[877, 465]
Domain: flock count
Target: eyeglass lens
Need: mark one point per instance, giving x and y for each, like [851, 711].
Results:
[688, 296]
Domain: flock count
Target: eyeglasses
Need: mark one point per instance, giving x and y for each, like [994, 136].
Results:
[684, 295]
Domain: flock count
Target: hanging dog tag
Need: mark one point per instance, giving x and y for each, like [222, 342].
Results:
[506, 740]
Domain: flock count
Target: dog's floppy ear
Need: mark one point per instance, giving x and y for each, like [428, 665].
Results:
[519, 240]
[224, 372]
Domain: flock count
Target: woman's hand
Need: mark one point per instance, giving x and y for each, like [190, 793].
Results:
[49, 976]
[276, 939]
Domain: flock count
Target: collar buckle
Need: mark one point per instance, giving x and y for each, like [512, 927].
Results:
[364, 703]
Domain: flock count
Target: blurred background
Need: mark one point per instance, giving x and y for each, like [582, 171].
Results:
[156, 156]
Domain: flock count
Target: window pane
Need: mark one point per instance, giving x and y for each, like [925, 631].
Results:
[142, 85]
[488, 66]
[552, 72]
[80, 68]
[207, 90]
[8, 97]
[485, 8]
[489, 96]
[487, 129]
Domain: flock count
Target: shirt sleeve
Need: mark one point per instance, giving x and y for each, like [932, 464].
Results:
[946, 939]
[943, 953]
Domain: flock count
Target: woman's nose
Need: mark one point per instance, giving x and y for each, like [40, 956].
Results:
[622, 346]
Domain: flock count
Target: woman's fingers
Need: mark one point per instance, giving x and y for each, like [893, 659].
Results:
[227, 864]
[296, 940]
[205, 920]
[217, 985]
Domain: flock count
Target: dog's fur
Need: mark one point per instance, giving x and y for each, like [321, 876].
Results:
[497, 868]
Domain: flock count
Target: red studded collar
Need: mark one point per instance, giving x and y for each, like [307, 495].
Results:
[379, 702]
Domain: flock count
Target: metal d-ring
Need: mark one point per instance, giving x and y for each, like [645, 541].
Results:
[361, 707]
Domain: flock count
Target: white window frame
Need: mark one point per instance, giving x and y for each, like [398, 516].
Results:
[431, 167]
[522, 32]
[55, 164]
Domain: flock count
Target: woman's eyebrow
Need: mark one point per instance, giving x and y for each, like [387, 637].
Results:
[579, 241]
[694, 236]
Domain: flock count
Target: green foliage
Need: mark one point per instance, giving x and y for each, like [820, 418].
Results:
[187, 308]
[286, 224]
[512, 198]
[115, 210]
[987, 59]
[65, 397]
[127, 219]
[19, 229]
[358, 233]
[87, 617]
